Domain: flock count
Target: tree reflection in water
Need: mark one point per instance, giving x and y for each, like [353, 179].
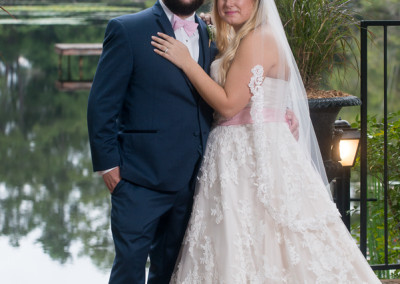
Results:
[46, 179]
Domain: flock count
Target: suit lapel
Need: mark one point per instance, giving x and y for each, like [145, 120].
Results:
[166, 27]
[162, 20]
[204, 49]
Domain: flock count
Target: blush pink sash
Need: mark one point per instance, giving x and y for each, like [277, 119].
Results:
[244, 117]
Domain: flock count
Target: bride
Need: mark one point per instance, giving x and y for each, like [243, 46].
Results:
[262, 210]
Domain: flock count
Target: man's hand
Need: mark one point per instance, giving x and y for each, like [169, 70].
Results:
[293, 123]
[112, 178]
[206, 18]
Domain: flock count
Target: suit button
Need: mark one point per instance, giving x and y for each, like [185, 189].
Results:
[196, 134]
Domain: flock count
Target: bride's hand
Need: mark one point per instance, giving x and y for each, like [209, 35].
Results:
[293, 123]
[171, 49]
[206, 18]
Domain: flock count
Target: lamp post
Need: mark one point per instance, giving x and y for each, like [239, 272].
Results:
[344, 150]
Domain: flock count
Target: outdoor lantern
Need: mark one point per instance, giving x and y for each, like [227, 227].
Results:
[348, 147]
[348, 144]
[344, 151]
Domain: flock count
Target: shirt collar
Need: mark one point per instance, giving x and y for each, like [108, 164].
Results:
[170, 15]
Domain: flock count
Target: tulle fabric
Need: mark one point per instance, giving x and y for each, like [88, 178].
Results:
[288, 90]
[262, 210]
[289, 233]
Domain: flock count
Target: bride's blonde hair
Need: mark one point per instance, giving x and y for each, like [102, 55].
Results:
[227, 40]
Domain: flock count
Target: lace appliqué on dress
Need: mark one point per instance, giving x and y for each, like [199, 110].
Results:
[259, 214]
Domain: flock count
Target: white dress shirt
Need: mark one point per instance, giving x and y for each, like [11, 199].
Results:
[192, 43]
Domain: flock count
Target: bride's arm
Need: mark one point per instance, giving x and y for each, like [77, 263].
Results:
[235, 95]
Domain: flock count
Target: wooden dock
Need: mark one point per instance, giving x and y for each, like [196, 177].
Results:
[75, 49]
[78, 49]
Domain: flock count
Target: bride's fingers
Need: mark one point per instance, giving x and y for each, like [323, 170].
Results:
[161, 41]
[206, 18]
[166, 37]
[159, 46]
[160, 52]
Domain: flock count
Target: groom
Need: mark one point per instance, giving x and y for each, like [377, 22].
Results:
[148, 129]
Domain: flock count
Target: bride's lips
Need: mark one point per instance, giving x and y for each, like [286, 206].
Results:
[230, 13]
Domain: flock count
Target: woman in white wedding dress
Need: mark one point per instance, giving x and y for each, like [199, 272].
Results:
[262, 211]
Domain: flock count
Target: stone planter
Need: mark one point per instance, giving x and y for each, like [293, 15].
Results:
[323, 113]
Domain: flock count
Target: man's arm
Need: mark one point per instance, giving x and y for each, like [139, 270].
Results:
[106, 99]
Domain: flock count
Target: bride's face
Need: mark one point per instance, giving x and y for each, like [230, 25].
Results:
[235, 12]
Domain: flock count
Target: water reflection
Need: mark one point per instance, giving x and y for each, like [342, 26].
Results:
[45, 21]
[53, 210]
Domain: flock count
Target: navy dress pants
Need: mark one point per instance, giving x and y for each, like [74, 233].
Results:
[147, 223]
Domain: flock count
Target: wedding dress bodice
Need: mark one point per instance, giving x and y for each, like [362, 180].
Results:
[271, 88]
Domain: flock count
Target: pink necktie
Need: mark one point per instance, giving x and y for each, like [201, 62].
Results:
[189, 26]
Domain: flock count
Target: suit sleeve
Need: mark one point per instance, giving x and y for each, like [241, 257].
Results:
[107, 95]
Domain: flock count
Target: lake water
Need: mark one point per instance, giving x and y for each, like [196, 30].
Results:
[54, 212]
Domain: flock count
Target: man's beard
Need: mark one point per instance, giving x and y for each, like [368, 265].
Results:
[183, 9]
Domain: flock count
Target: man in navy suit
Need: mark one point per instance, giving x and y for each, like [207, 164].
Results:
[148, 129]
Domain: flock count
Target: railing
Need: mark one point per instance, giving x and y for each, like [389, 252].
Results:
[364, 163]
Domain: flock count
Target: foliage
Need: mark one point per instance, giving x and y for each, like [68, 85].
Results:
[68, 8]
[320, 33]
[68, 13]
[348, 80]
[380, 9]
[4, 9]
[375, 146]
[149, 3]
[375, 157]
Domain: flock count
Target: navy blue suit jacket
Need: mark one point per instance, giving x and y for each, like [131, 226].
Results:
[143, 113]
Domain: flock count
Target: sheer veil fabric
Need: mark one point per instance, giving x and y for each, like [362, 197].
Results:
[262, 210]
[289, 83]
[287, 92]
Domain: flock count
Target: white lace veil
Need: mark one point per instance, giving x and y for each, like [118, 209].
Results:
[290, 93]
